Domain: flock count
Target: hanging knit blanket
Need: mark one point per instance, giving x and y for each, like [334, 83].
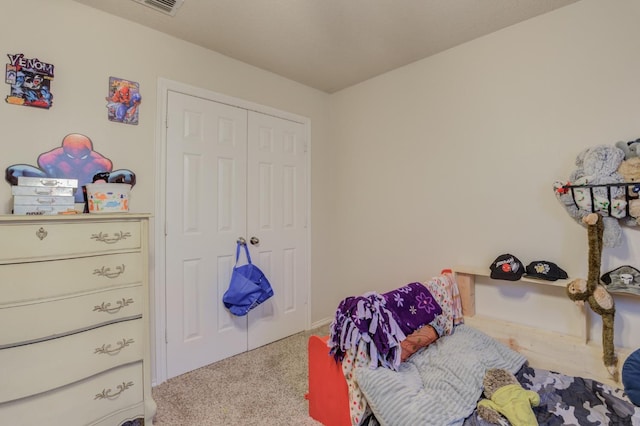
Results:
[381, 322]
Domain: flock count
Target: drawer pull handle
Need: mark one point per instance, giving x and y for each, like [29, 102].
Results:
[105, 238]
[41, 233]
[106, 272]
[107, 393]
[47, 201]
[106, 307]
[106, 348]
[50, 182]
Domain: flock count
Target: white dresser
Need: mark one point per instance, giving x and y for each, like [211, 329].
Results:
[74, 320]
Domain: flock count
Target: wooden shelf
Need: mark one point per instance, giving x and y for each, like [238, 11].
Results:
[485, 272]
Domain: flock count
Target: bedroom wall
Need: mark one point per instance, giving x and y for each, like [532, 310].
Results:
[87, 46]
[447, 161]
[451, 160]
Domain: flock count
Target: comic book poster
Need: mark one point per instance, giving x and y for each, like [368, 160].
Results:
[123, 101]
[30, 81]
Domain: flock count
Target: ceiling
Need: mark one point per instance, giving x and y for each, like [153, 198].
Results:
[330, 44]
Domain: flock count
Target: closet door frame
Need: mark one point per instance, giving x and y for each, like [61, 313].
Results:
[158, 221]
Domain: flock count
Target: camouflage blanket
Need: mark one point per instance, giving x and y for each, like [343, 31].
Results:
[573, 401]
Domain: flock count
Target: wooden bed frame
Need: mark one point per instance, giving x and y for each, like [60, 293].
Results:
[573, 353]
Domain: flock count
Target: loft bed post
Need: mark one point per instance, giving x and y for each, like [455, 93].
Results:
[467, 289]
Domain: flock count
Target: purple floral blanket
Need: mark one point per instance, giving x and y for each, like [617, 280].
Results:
[413, 305]
[382, 321]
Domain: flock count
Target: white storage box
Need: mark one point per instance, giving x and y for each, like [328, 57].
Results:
[42, 204]
[43, 196]
[47, 182]
[43, 200]
[41, 210]
[42, 190]
[108, 197]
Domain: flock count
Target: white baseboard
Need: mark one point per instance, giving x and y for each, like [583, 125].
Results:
[321, 323]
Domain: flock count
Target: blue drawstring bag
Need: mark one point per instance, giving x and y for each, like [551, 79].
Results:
[248, 288]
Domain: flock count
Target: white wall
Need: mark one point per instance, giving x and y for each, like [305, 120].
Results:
[451, 160]
[86, 47]
[447, 161]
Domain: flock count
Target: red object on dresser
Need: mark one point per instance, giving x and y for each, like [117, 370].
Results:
[328, 393]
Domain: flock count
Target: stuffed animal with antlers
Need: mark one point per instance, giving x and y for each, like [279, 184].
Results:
[594, 292]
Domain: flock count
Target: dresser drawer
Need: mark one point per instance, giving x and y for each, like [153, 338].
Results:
[82, 403]
[39, 321]
[22, 282]
[47, 240]
[39, 367]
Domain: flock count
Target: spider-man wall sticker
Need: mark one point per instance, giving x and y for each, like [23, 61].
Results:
[30, 81]
[74, 159]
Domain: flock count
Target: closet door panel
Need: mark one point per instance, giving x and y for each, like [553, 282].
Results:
[276, 215]
[206, 213]
[231, 173]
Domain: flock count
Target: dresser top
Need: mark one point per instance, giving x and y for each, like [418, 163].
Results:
[73, 217]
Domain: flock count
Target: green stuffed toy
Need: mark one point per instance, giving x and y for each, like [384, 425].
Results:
[506, 398]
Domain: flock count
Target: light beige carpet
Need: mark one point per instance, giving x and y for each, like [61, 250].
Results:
[262, 387]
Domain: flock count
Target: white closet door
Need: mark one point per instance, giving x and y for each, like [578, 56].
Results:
[276, 215]
[205, 214]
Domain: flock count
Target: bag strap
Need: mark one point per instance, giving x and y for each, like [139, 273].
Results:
[246, 250]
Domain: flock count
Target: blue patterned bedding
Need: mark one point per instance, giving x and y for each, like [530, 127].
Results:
[441, 384]
[573, 401]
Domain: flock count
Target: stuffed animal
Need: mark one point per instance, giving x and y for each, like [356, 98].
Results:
[596, 294]
[630, 171]
[631, 149]
[565, 197]
[506, 398]
[597, 165]
[634, 212]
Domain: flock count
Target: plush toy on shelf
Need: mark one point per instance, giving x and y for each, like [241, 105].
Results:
[597, 165]
[506, 398]
[595, 294]
[630, 171]
[631, 149]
